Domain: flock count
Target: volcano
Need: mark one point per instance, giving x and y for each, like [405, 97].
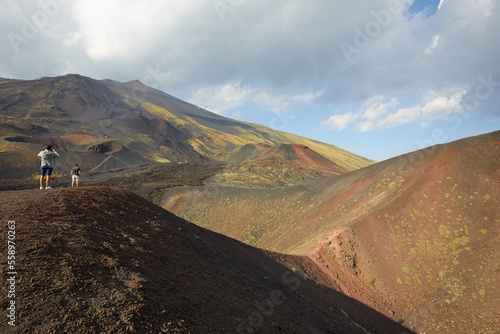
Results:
[108, 126]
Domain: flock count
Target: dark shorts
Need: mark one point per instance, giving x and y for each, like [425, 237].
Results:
[44, 170]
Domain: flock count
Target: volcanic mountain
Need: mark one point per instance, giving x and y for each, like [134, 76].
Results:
[111, 126]
[415, 237]
[104, 260]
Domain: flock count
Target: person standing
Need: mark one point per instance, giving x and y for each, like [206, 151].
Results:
[48, 157]
[75, 175]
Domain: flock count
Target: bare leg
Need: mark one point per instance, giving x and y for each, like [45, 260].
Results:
[48, 181]
[41, 180]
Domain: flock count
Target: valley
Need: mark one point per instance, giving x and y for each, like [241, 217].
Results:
[415, 240]
[180, 205]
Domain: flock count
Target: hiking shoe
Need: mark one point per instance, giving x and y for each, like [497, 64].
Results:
[48, 188]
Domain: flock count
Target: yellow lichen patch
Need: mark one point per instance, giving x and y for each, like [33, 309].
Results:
[156, 157]
[15, 155]
[158, 111]
[419, 213]
[145, 138]
[464, 240]
[444, 231]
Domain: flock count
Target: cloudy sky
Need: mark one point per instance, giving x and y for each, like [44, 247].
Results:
[377, 77]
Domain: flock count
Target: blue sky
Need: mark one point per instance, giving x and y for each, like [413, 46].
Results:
[429, 7]
[377, 77]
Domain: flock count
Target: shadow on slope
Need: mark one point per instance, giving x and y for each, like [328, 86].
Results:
[105, 260]
[416, 235]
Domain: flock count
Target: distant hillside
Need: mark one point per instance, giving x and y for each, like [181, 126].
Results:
[416, 236]
[2, 80]
[210, 130]
[103, 260]
[111, 126]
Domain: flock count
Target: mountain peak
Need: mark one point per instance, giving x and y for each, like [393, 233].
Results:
[68, 77]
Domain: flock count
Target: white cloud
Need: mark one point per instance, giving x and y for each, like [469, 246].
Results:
[282, 104]
[376, 108]
[72, 39]
[441, 3]
[435, 43]
[125, 29]
[430, 109]
[292, 49]
[340, 122]
[274, 103]
[220, 98]
[305, 97]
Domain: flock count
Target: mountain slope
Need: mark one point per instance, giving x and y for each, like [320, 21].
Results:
[209, 128]
[109, 126]
[415, 236]
[82, 118]
[99, 259]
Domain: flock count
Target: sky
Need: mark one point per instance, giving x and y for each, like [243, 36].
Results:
[379, 78]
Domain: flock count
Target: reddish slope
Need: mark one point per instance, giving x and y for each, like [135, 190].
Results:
[415, 237]
[93, 260]
[297, 154]
[309, 158]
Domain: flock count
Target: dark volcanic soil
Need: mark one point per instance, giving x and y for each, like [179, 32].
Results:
[103, 260]
[146, 182]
